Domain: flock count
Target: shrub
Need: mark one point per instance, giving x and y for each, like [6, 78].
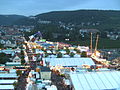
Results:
[67, 51]
[59, 55]
[72, 54]
[19, 72]
[84, 54]
[15, 84]
[46, 54]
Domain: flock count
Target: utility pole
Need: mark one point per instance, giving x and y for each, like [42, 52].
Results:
[57, 46]
[96, 43]
[91, 43]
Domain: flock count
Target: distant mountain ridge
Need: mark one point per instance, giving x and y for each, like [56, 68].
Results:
[96, 19]
[101, 19]
[80, 15]
[10, 19]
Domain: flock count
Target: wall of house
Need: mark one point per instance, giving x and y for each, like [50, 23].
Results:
[45, 75]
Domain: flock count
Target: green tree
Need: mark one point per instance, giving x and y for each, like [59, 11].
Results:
[72, 54]
[84, 54]
[22, 61]
[1, 46]
[67, 50]
[3, 58]
[34, 50]
[42, 49]
[59, 55]
[15, 84]
[46, 54]
[19, 72]
[22, 57]
[78, 51]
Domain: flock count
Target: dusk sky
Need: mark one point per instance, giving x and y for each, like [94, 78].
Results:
[34, 7]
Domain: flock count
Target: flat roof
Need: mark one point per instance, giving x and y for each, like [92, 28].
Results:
[69, 61]
[6, 87]
[7, 81]
[8, 75]
[107, 80]
[13, 63]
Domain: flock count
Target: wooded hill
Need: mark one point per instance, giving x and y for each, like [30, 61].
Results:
[99, 19]
[9, 19]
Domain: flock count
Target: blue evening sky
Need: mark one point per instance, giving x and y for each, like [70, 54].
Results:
[34, 7]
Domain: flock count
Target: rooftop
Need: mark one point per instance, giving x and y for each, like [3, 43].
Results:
[7, 81]
[107, 80]
[6, 87]
[69, 61]
[8, 76]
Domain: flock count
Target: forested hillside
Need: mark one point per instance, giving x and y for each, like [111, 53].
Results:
[101, 19]
[9, 19]
[98, 19]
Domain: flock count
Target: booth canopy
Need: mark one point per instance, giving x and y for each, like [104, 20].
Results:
[69, 61]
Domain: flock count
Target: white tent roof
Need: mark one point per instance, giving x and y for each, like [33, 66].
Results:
[11, 63]
[96, 80]
[11, 87]
[63, 52]
[69, 61]
[52, 56]
[12, 70]
[66, 56]
[7, 81]
[8, 76]
[8, 51]
[73, 51]
[48, 51]
[39, 51]
[77, 56]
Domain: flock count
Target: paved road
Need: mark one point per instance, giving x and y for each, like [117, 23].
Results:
[22, 81]
[33, 65]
